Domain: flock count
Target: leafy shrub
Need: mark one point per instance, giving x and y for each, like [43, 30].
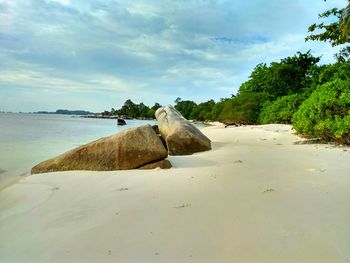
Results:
[326, 113]
[335, 71]
[281, 110]
[243, 109]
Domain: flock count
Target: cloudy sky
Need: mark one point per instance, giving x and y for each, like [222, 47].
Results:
[95, 54]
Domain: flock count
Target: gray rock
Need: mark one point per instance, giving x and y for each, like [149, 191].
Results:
[128, 149]
[180, 135]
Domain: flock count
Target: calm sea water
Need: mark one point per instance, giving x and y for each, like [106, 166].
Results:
[27, 139]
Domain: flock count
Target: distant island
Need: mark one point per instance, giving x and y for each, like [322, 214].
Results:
[66, 112]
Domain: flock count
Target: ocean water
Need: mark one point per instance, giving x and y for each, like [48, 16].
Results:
[27, 139]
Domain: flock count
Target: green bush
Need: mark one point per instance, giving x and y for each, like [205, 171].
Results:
[243, 109]
[335, 71]
[281, 110]
[326, 113]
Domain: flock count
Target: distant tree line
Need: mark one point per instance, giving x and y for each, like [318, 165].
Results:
[134, 110]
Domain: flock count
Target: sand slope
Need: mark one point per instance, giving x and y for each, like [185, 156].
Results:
[256, 197]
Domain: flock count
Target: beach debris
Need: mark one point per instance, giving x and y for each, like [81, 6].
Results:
[184, 205]
[238, 161]
[180, 135]
[262, 139]
[55, 188]
[123, 189]
[129, 149]
[269, 190]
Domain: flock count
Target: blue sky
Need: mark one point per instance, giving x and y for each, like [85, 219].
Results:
[93, 55]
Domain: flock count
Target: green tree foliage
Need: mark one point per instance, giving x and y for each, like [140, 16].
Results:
[243, 109]
[345, 22]
[151, 112]
[134, 110]
[326, 113]
[333, 72]
[129, 109]
[290, 76]
[203, 111]
[343, 55]
[156, 106]
[281, 110]
[185, 107]
[337, 31]
[331, 32]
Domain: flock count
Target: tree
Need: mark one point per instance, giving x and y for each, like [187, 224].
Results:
[345, 23]
[343, 55]
[178, 99]
[242, 109]
[290, 75]
[142, 110]
[129, 109]
[185, 107]
[156, 106]
[203, 111]
[335, 32]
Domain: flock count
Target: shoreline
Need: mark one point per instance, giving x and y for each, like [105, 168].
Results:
[255, 197]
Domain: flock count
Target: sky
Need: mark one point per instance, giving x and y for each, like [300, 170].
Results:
[95, 54]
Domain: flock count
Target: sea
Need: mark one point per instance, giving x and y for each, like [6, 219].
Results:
[28, 139]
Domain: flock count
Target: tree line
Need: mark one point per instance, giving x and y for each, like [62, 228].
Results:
[296, 90]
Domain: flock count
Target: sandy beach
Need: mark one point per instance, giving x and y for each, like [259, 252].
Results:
[257, 196]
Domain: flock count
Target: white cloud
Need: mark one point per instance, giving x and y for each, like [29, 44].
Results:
[195, 49]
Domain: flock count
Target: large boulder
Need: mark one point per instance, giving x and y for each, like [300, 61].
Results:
[129, 149]
[180, 135]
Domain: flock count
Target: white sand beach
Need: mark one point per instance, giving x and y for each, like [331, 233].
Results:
[255, 197]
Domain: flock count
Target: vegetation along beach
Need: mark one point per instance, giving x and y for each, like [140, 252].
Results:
[187, 131]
